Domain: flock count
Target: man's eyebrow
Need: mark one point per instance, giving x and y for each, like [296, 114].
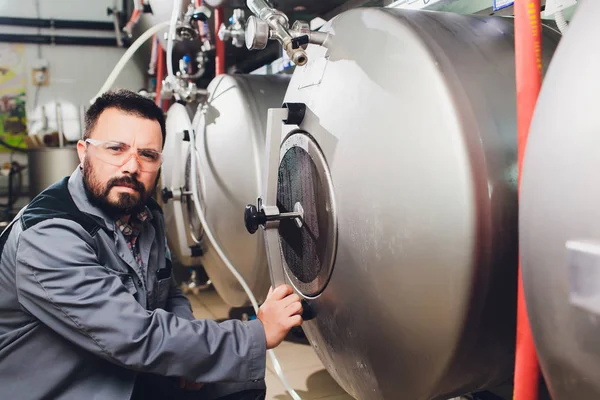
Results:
[115, 142]
[149, 149]
[125, 144]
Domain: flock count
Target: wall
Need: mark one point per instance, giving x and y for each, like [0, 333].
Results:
[76, 72]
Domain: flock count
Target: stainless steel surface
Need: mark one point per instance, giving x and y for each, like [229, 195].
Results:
[82, 111]
[48, 165]
[560, 234]
[175, 153]
[230, 145]
[269, 193]
[418, 130]
[59, 126]
[194, 225]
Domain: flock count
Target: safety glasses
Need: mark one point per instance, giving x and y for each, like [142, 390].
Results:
[117, 154]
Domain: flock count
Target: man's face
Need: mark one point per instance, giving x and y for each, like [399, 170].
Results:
[123, 190]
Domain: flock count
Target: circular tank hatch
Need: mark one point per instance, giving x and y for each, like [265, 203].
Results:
[195, 226]
[308, 251]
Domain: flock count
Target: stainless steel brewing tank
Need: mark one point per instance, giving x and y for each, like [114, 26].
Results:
[48, 165]
[408, 151]
[230, 146]
[175, 153]
[560, 233]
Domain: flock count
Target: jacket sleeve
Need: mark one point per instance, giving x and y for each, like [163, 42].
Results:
[62, 284]
[177, 303]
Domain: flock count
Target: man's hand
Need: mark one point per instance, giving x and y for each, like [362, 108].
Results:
[187, 385]
[279, 313]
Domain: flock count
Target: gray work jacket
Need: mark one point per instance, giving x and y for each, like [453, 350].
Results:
[79, 319]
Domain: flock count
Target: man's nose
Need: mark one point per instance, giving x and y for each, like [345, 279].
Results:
[132, 165]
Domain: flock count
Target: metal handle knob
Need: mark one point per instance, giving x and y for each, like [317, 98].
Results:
[166, 195]
[253, 218]
[307, 311]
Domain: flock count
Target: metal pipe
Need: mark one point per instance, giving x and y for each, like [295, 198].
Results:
[318, 38]
[258, 7]
[82, 111]
[58, 40]
[59, 125]
[257, 59]
[57, 23]
[528, 58]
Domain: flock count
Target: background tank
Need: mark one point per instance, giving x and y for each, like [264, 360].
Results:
[48, 165]
[408, 151]
[230, 146]
[560, 210]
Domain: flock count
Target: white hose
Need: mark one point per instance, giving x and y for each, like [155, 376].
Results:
[561, 22]
[170, 40]
[125, 58]
[240, 278]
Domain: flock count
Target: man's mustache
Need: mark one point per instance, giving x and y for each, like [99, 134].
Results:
[127, 181]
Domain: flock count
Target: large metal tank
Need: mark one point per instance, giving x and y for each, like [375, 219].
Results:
[230, 136]
[559, 214]
[176, 150]
[405, 167]
[47, 165]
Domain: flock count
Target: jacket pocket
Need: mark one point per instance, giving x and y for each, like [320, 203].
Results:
[163, 279]
[129, 283]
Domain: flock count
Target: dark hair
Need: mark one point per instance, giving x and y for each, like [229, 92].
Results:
[127, 101]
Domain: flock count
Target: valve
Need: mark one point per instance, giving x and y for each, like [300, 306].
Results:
[269, 23]
[235, 31]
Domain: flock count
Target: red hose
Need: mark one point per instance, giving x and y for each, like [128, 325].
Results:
[135, 17]
[220, 45]
[160, 72]
[528, 61]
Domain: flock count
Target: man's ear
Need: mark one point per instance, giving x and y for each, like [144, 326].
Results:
[81, 151]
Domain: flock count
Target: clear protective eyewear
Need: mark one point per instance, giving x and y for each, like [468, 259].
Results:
[117, 154]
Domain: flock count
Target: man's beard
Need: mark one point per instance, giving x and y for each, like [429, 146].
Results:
[98, 195]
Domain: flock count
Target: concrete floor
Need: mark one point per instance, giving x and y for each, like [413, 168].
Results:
[301, 366]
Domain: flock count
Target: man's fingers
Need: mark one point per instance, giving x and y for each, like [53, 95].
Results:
[296, 320]
[294, 308]
[291, 299]
[281, 291]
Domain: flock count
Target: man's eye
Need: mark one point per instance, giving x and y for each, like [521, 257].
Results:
[149, 155]
[115, 148]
